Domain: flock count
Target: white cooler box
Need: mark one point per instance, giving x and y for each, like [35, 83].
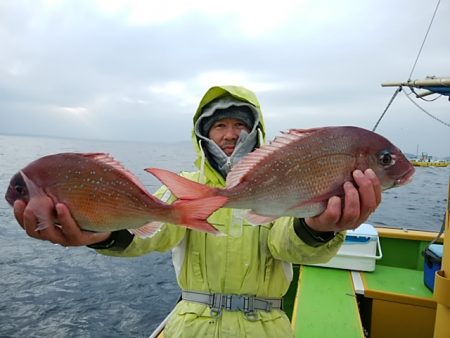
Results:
[359, 250]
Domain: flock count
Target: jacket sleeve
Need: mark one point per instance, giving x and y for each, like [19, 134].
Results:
[286, 245]
[165, 239]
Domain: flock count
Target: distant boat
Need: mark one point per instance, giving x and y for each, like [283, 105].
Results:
[418, 163]
[426, 160]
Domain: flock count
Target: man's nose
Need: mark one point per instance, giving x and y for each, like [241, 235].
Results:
[232, 133]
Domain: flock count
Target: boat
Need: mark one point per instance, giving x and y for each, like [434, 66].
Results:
[389, 299]
[418, 163]
[426, 160]
[392, 299]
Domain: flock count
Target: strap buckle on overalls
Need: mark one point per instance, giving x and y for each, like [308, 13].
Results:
[215, 304]
[233, 303]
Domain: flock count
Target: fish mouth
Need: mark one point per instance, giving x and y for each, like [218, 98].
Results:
[9, 197]
[9, 200]
[406, 178]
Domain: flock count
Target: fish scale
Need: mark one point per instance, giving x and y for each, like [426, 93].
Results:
[312, 168]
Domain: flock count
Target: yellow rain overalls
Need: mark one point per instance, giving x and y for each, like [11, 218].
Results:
[250, 261]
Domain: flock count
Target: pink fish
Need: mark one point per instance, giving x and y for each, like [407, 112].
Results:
[102, 196]
[299, 171]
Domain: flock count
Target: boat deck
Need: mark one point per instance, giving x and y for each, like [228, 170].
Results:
[395, 282]
[343, 303]
[325, 309]
[398, 295]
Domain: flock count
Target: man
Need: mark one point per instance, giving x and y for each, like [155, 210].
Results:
[215, 271]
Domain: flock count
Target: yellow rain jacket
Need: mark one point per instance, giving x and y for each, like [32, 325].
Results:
[252, 260]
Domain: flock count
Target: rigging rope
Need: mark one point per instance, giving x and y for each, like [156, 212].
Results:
[422, 98]
[422, 109]
[424, 39]
[387, 107]
[410, 75]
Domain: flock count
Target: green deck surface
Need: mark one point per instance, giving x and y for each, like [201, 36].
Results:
[397, 280]
[327, 309]
[402, 253]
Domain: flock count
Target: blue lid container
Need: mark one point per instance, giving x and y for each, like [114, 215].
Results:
[432, 264]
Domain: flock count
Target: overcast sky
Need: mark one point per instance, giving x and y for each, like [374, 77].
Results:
[136, 70]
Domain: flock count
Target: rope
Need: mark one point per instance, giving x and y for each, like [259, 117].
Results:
[387, 107]
[424, 39]
[430, 115]
[424, 99]
[410, 75]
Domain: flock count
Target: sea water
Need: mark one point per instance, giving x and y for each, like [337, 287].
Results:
[50, 291]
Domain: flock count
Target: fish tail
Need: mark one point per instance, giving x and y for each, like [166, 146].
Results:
[181, 187]
[194, 213]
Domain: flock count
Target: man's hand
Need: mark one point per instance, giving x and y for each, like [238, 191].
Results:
[66, 232]
[359, 203]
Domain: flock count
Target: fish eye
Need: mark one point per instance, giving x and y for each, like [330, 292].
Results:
[386, 159]
[19, 189]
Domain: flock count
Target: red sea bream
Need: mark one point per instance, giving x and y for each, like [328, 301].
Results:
[102, 196]
[299, 171]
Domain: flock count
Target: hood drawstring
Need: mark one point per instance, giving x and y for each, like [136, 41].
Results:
[202, 163]
[261, 137]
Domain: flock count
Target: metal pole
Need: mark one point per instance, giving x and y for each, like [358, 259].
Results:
[439, 81]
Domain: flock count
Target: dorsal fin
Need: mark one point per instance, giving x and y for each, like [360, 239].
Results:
[305, 132]
[107, 159]
[253, 159]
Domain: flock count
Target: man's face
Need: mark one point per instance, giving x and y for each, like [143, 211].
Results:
[225, 133]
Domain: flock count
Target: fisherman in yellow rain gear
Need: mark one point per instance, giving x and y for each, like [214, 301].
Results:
[232, 286]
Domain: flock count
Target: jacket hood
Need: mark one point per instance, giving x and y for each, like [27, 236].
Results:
[236, 93]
